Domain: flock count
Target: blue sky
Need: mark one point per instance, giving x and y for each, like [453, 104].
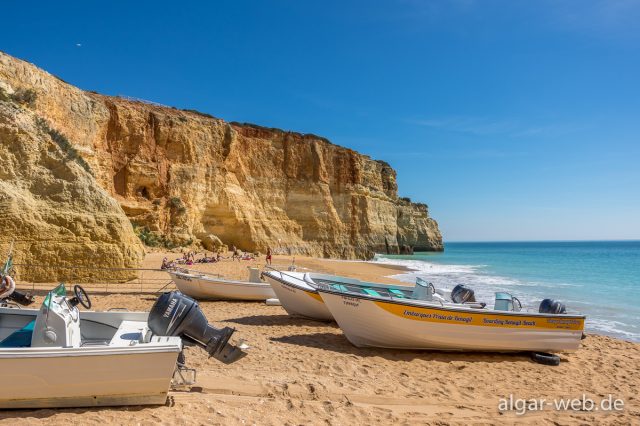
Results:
[513, 120]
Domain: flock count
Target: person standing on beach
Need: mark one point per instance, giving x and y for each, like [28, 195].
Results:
[235, 254]
[268, 255]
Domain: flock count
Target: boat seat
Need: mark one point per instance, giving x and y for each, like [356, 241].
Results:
[397, 293]
[129, 332]
[371, 292]
[19, 338]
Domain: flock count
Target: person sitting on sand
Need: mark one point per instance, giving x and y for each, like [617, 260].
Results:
[218, 257]
[165, 264]
[268, 256]
[247, 256]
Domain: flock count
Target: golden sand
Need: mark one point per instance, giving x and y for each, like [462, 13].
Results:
[300, 371]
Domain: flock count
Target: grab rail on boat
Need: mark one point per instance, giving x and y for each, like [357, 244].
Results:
[196, 272]
[284, 273]
[389, 294]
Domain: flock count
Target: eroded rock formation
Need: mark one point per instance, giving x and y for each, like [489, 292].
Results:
[52, 210]
[189, 177]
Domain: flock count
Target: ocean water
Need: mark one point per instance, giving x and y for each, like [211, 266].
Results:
[600, 279]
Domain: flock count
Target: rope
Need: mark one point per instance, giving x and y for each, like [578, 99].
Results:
[32, 265]
[102, 277]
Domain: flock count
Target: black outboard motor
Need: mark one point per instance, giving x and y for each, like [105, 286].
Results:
[24, 299]
[462, 294]
[550, 306]
[175, 314]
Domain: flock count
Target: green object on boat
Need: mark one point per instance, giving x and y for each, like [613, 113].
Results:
[340, 287]
[397, 292]
[8, 265]
[371, 292]
[60, 290]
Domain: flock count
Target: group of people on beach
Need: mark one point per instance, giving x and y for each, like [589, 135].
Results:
[189, 258]
[238, 255]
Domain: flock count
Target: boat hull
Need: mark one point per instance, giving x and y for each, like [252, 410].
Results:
[297, 300]
[86, 377]
[209, 288]
[367, 322]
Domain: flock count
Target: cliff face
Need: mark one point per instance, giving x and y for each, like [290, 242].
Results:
[193, 178]
[52, 209]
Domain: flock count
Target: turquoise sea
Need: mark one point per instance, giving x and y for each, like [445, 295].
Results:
[600, 279]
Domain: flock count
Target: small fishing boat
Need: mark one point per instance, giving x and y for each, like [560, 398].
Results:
[59, 356]
[208, 287]
[383, 320]
[298, 294]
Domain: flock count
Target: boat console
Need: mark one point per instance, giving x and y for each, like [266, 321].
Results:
[58, 321]
[507, 302]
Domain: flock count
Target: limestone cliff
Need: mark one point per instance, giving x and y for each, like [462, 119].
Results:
[52, 209]
[191, 178]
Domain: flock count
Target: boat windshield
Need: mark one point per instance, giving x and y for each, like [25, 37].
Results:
[60, 290]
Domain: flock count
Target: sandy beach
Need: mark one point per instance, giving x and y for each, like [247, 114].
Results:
[300, 371]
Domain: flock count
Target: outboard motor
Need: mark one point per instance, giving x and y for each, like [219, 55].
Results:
[24, 299]
[175, 314]
[550, 306]
[462, 294]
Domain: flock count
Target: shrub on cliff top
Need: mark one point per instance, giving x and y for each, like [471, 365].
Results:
[203, 114]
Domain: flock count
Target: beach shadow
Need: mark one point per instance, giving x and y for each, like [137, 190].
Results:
[280, 320]
[45, 413]
[339, 343]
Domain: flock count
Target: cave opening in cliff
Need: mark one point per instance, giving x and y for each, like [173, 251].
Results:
[143, 192]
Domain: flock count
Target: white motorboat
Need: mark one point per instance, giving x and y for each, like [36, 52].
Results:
[298, 294]
[208, 287]
[58, 356]
[385, 321]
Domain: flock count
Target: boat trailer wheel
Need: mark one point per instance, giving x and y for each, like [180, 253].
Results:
[82, 296]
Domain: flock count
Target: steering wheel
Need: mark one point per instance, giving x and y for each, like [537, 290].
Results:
[433, 288]
[81, 297]
[519, 304]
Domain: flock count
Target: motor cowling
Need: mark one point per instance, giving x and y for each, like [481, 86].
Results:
[550, 306]
[24, 299]
[175, 314]
[462, 294]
